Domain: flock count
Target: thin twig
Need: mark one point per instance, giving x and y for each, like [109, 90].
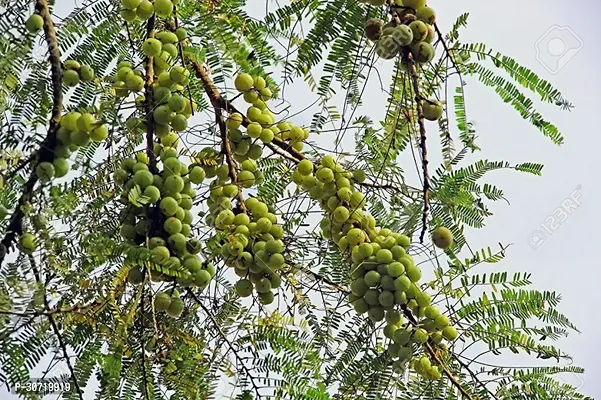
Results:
[226, 340]
[57, 331]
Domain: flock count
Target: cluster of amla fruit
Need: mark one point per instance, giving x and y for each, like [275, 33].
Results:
[172, 304]
[414, 33]
[74, 72]
[163, 223]
[251, 236]
[384, 275]
[132, 10]
[262, 124]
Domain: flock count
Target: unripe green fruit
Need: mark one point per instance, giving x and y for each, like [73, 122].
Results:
[135, 83]
[72, 64]
[179, 74]
[403, 34]
[172, 226]
[197, 175]
[27, 243]
[442, 238]
[61, 167]
[70, 78]
[34, 23]
[244, 287]
[243, 82]
[266, 136]
[45, 171]
[246, 179]
[169, 206]
[177, 103]
[86, 73]
[376, 314]
[450, 333]
[143, 179]
[162, 302]
[387, 48]
[266, 298]
[420, 335]
[99, 133]
[419, 29]
[152, 47]
[167, 37]
[179, 123]
[176, 307]
[135, 276]
[432, 109]
[145, 10]
[202, 278]
[173, 184]
[181, 33]
[170, 49]
[163, 8]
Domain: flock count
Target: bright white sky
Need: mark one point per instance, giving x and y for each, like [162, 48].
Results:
[563, 260]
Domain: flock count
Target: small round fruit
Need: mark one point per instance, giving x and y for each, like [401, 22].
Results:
[162, 301]
[426, 14]
[61, 167]
[163, 8]
[387, 48]
[450, 333]
[28, 243]
[70, 78]
[442, 238]
[243, 82]
[423, 52]
[45, 171]
[86, 73]
[152, 47]
[432, 110]
[373, 29]
[403, 34]
[244, 288]
[34, 23]
[176, 307]
[135, 276]
[414, 4]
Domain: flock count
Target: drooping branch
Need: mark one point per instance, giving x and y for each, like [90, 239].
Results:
[46, 150]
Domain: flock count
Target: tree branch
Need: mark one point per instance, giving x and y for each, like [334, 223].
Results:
[148, 100]
[46, 150]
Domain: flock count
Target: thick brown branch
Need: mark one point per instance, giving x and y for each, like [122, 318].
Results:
[148, 101]
[46, 149]
[422, 145]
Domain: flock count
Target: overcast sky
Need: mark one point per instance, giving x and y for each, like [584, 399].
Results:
[557, 247]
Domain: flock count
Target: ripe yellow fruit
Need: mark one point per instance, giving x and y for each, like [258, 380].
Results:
[426, 14]
[373, 28]
[432, 109]
[35, 23]
[419, 29]
[243, 82]
[442, 238]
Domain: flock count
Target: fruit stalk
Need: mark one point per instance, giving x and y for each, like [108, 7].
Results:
[46, 150]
